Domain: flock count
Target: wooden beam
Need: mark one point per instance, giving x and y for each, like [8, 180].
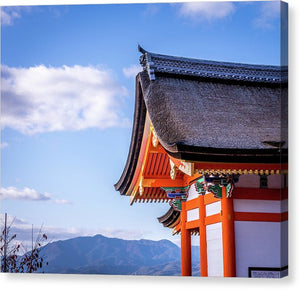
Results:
[260, 193]
[202, 237]
[191, 179]
[192, 204]
[228, 237]
[213, 219]
[209, 198]
[192, 224]
[149, 182]
[260, 216]
[186, 253]
[157, 149]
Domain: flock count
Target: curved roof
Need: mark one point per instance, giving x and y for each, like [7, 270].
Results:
[194, 119]
[136, 139]
[156, 64]
[170, 218]
[210, 111]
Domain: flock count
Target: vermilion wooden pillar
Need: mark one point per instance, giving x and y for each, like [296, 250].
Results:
[186, 255]
[228, 237]
[202, 236]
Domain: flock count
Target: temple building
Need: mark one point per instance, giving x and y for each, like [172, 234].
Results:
[211, 139]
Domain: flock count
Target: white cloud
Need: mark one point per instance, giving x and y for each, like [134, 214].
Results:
[269, 11]
[10, 13]
[4, 145]
[26, 193]
[61, 201]
[13, 221]
[46, 99]
[23, 230]
[132, 71]
[22, 194]
[200, 11]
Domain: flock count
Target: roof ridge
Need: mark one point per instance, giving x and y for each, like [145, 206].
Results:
[155, 63]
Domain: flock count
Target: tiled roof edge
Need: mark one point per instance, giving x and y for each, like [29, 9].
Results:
[165, 64]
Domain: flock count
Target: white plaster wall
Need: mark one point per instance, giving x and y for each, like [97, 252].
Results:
[192, 193]
[284, 243]
[260, 244]
[248, 180]
[213, 208]
[192, 214]
[268, 206]
[253, 181]
[275, 181]
[214, 250]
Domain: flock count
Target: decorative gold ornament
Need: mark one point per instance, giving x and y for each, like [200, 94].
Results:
[173, 170]
[141, 189]
[154, 139]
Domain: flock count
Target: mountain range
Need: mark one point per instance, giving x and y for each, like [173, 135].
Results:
[103, 255]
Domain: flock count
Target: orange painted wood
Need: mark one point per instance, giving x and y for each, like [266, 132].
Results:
[143, 157]
[260, 193]
[186, 254]
[228, 237]
[188, 180]
[176, 161]
[152, 164]
[260, 216]
[157, 165]
[212, 219]
[146, 162]
[209, 198]
[192, 224]
[202, 236]
[157, 149]
[161, 182]
[192, 204]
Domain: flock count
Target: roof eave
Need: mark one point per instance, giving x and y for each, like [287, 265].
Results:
[268, 75]
[136, 139]
[232, 155]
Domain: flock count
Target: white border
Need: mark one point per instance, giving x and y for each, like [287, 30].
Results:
[36, 281]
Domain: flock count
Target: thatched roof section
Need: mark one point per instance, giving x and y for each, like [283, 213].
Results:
[212, 111]
[223, 109]
[214, 116]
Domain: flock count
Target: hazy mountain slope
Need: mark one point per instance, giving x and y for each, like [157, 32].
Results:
[102, 255]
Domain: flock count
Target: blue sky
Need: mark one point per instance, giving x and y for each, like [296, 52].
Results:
[68, 81]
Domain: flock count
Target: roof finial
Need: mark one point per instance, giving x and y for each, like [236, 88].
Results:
[141, 49]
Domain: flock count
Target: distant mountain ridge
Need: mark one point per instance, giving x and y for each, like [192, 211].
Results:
[103, 255]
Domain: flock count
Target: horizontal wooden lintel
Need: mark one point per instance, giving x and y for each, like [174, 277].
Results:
[162, 182]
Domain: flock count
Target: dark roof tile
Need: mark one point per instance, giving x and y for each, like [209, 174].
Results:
[155, 64]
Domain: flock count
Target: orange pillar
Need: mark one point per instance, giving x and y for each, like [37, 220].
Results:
[202, 235]
[186, 255]
[228, 235]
